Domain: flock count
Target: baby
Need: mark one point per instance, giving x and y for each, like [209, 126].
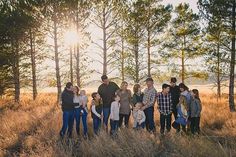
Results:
[139, 116]
[83, 101]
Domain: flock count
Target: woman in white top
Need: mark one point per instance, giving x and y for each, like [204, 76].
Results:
[80, 102]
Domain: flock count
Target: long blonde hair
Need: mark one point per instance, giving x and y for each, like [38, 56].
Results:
[183, 101]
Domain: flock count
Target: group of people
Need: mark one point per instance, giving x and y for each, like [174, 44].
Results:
[113, 104]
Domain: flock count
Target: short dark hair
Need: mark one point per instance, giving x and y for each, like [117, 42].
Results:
[104, 77]
[69, 84]
[149, 79]
[173, 79]
[164, 86]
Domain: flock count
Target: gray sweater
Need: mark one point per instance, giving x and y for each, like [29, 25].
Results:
[195, 108]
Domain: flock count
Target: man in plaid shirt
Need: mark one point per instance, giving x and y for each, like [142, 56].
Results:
[165, 108]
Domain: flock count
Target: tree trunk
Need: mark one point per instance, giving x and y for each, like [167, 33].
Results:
[218, 72]
[149, 53]
[58, 77]
[232, 63]
[104, 43]
[16, 71]
[136, 63]
[33, 65]
[182, 61]
[78, 53]
[122, 60]
[71, 65]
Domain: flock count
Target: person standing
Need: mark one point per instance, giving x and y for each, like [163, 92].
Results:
[125, 101]
[115, 110]
[138, 95]
[175, 94]
[67, 97]
[107, 91]
[164, 101]
[149, 100]
[195, 108]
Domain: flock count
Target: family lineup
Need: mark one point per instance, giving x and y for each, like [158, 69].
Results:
[112, 106]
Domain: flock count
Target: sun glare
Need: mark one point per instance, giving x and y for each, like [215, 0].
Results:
[71, 37]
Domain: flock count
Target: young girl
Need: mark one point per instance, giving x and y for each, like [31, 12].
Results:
[114, 115]
[195, 112]
[96, 110]
[182, 114]
[81, 110]
[139, 116]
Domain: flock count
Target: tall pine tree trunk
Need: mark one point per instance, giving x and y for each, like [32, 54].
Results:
[104, 43]
[182, 60]
[218, 72]
[78, 53]
[149, 53]
[71, 65]
[136, 62]
[16, 70]
[58, 77]
[122, 58]
[33, 64]
[232, 63]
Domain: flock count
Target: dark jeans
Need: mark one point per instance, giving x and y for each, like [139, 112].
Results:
[122, 118]
[96, 124]
[174, 111]
[77, 117]
[67, 121]
[114, 126]
[106, 114]
[149, 113]
[165, 121]
[140, 126]
[195, 125]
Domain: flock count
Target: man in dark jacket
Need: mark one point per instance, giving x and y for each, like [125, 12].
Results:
[175, 94]
[107, 91]
[67, 97]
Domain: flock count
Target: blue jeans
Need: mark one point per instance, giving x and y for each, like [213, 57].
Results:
[68, 117]
[149, 113]
[106, 114]
[114, 126]
[96, 124]
[77, 117]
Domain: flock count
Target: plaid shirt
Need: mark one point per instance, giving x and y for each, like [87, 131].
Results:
[149, 97]
[165, 103]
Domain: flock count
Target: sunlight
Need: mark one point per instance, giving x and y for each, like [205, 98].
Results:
[71, 37]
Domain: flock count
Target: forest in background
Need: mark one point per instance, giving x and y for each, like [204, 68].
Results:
[138, 39]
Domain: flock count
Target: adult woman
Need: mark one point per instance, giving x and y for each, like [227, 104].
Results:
[125, 102]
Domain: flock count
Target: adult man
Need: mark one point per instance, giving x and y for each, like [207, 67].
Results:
[107, 91]
[164, 101]
[175, 94]
[149, 100]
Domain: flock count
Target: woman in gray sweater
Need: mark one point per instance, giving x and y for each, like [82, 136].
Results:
[195, 112]
[125, 102]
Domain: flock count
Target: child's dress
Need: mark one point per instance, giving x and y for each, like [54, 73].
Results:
[139, 118]
[182, 117]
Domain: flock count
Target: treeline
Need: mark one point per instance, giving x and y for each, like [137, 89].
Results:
[139, 39]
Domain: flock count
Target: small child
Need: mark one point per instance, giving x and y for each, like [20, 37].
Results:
[182, 114]
[83, 101]
[96, 110]
[195, 112]
[139, 116]
[114, 115]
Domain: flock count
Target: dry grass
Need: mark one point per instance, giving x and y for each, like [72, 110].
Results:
[31, 129]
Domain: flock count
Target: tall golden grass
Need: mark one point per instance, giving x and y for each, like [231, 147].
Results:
[31, 129]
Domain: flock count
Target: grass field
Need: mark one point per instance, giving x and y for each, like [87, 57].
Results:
[31, 129]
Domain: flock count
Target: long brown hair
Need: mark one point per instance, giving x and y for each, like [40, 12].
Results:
[196, 92]
[77, 92]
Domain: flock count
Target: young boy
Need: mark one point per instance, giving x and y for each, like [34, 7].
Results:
[165, 108]
[139, 116]
[96, 110]
[114, 116]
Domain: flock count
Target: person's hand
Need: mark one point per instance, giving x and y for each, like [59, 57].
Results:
[142, 108]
